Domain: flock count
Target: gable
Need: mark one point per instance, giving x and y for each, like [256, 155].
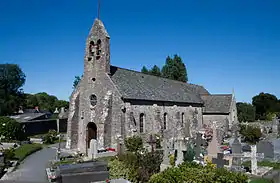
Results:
[217, 103]
[139, 86]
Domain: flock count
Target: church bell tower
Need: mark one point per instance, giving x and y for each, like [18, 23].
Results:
[97, 56]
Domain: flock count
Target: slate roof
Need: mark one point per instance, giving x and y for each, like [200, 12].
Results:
[28, 116]
[139, 86]
[217, 103]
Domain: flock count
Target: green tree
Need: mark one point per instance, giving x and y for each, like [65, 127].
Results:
[12, 79]
[10, 129]
[246, 112]
[265, 103]
[145, 70]
[44, 101]
[175, 69]
[76, 81]
[250, 133]
[155, 71]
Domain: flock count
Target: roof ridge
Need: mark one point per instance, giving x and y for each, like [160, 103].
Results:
[155, 76]
[226, 94]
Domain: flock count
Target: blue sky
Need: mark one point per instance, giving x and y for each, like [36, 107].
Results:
[224, 44]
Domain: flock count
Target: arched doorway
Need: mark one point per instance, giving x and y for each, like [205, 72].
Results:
[91, 132]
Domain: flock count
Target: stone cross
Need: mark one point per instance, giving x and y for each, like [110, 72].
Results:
[220, 161]
[152, 141]
[181, 146]
[198, 143]
[93, 149]
[165, 152]
[253, 155]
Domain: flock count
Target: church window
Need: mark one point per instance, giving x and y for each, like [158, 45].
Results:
[93, 79]
[93, 100]
[164, 121]
[91, 48]
[141, 122]
[183, 119]
[98, 49]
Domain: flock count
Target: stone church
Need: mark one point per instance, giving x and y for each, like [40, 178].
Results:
[110, 102]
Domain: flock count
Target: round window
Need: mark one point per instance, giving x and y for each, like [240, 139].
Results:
[93, 100]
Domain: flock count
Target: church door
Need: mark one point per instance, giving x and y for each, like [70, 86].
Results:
[91, 132]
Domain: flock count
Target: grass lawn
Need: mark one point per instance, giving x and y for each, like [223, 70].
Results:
[261, 181]
[274, 165]
[25, 150]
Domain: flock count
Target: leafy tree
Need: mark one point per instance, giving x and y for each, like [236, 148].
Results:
[175, 69]
[264, 104]
[145, 70]
[76, 81]
[44, 101]
[245, 112]
[250, 133]
[155, 71]
[11, 81]
[10, 129]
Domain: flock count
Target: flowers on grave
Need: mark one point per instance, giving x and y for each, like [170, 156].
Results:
[107, 180]
[111, 149]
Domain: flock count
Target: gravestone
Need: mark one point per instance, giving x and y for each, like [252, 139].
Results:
[180, 147]
[236, 152]
[220, 161]
[166, 161]
[82, 172]
[199, 141]
[213, 147]
[152, 142]
[267, 148]
[93, 149]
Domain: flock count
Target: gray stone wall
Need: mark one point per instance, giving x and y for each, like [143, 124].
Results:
[106, 113]
[177, 116]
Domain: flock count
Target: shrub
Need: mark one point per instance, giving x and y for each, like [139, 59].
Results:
[251, 134]
[118, 169]
[133, 144]
[191, 172]
[11, 129]
[189, 154]
[50, 137]
[172, 160]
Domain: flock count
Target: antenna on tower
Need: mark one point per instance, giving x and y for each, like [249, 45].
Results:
[98, 15]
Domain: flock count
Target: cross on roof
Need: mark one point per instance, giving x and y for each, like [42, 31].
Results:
[220, 161]
[98, 15]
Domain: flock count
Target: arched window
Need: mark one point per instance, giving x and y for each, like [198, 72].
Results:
[182, 119]
[98, 49]
[141, 122]
[164, 121]
[91, 48]
[93, 100]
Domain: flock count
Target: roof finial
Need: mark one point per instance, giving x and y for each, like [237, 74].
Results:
[232, 91]
[98, 15]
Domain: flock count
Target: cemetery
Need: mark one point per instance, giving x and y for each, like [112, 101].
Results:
[137, 160]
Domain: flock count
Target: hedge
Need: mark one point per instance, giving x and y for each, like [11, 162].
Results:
[191, 172]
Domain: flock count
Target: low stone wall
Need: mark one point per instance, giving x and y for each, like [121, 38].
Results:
[43, 126]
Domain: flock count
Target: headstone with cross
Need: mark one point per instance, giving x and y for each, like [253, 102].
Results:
[152, 142]
[253, 155]
[220, 161]
[199, 141]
